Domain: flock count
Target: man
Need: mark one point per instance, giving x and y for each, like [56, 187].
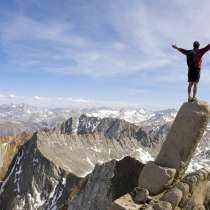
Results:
[194, 61]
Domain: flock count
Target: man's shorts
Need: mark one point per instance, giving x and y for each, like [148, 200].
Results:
[194, 75]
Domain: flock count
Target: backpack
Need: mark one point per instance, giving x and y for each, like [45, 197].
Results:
[191, 62]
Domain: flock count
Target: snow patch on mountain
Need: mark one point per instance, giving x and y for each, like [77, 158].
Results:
[132, 116]
[144, 156]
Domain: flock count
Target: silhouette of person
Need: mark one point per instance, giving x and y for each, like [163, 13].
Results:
[194, 62]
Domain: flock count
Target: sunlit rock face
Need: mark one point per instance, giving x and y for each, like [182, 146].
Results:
[184, 136]
[9, 147]
[80, 153]
[34, 182]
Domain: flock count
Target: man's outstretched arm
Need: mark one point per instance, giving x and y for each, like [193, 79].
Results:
[205, 49]
[183, 51]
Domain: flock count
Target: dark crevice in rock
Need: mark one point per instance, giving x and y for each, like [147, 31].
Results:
[125, 177]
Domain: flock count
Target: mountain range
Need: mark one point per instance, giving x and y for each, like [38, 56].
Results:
[151, 126]
[15, 118]
[70, 148]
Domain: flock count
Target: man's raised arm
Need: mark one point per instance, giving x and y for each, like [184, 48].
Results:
[205, 49]
[183, 51]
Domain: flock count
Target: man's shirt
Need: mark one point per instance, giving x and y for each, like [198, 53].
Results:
[198, 55]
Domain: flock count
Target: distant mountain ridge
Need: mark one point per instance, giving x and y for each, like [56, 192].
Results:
[15, 118]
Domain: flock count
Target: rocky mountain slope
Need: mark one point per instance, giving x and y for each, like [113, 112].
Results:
[45, 170]
[34, 182]
[149, 137]
[76, 166]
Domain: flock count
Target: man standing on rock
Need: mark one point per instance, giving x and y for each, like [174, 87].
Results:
[194, 61]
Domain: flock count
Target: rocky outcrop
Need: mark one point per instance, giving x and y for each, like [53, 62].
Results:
[34, 182]
[107, 183]
[67, 126]
[184, 192]
[176, 152]
[198, 186]
[184, 136]
[188, 193]
[155, 178]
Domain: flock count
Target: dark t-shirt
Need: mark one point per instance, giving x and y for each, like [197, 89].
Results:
[196, 56]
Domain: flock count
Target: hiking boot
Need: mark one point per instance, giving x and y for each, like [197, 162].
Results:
[194, 99]
[190, 99]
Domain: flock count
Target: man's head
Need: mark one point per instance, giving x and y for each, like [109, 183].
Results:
[196, 45]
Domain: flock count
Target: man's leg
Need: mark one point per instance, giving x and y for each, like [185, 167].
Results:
[189, 89]
[195, 89]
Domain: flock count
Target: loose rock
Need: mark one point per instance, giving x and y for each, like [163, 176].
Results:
[156, 178]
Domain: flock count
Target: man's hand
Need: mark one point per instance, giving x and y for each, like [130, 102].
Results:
[174, 46]
[183, 51]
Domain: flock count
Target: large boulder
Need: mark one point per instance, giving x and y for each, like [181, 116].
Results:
[155, 178]
[184, 136]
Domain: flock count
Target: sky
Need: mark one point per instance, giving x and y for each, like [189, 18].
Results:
[100, 52]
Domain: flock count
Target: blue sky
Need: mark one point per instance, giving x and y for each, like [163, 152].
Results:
[100, 52]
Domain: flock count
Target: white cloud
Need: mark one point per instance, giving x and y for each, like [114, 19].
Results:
[41, 98]
[12, 96]
[59, 102]
[66, 52]
[23, 28]
[9, 96]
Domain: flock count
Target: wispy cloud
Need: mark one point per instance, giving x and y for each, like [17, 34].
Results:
[60, 102]
[10, 96]
[144, 37]
[55, 46]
